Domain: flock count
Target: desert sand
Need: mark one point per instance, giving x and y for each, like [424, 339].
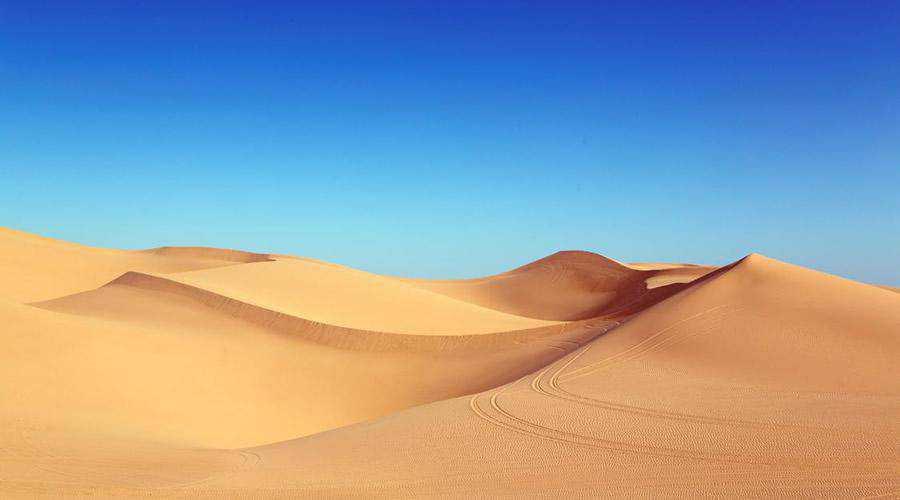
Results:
[198, 372]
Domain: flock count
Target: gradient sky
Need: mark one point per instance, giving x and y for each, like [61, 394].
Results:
[460, 140]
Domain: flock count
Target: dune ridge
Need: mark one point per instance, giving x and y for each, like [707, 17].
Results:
[192, 372]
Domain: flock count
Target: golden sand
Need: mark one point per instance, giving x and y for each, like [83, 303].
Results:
[200, 372]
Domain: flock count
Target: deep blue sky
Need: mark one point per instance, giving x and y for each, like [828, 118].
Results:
[459, 140]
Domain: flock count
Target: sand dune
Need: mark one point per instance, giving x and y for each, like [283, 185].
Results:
[765, 379]
[194, 372]
[564, 286]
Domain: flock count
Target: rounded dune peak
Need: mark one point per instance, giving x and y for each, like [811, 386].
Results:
[575, 257]
[568, 285]
[757, 263]
[755, 258]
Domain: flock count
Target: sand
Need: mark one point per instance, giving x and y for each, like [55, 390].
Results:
[198, 372]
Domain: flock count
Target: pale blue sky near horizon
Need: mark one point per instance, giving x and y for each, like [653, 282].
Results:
[459, 139]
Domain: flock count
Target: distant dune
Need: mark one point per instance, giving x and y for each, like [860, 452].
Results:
[202, 372]
[565, 286]
[36, 268]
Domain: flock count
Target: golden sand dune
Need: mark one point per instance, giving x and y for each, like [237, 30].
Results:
[190, 372]
[764, 379]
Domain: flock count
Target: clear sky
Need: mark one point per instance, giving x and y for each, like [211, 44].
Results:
[459, 140]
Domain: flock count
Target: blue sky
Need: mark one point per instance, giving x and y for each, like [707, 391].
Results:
[459, 139]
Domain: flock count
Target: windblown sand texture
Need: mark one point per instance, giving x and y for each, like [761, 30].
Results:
[200, 372]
